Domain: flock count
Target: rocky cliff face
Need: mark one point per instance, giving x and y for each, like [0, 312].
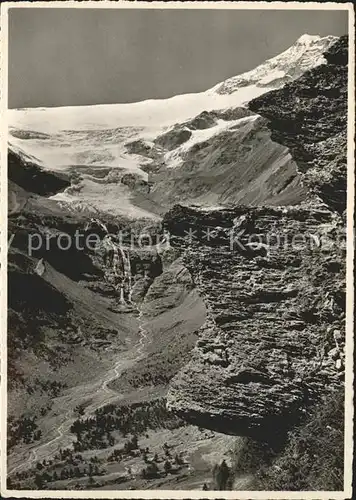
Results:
[272, 278]
[309, 116]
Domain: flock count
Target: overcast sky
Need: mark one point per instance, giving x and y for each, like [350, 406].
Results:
[60, 57]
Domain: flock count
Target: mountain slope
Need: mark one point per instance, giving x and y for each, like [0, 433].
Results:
[94, 144]
[273, 342]
[110, 325]
[240, 164]
[317, 136]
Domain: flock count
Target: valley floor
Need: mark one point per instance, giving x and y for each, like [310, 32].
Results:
[117, 353]
[199, 450]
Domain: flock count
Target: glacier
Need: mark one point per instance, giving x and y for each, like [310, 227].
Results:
[91, 140]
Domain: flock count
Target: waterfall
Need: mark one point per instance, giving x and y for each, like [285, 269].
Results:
[129, 275]
[119, 271]
[126, 264]
[120, 267]
[130, 280]
[113, 265]
[122, 292]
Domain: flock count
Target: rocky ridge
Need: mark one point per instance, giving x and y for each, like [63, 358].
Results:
[309, 116]
[233, 161]
[273, 341]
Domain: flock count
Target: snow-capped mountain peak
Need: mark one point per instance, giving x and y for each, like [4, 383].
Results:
[92, 140]
[308, 39]
[304, 54]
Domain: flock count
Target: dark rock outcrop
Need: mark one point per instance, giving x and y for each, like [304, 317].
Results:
[135, 182]
[272, 278]
[338, 53]
[173, 138]
[29, 176]
[263, 354]
[208, 119]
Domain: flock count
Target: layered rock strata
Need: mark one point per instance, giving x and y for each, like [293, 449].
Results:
[272, 278]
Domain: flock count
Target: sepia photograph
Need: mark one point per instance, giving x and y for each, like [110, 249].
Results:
[177, 198]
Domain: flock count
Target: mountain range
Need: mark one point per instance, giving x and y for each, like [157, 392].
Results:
[153, 153]
[204, 346]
